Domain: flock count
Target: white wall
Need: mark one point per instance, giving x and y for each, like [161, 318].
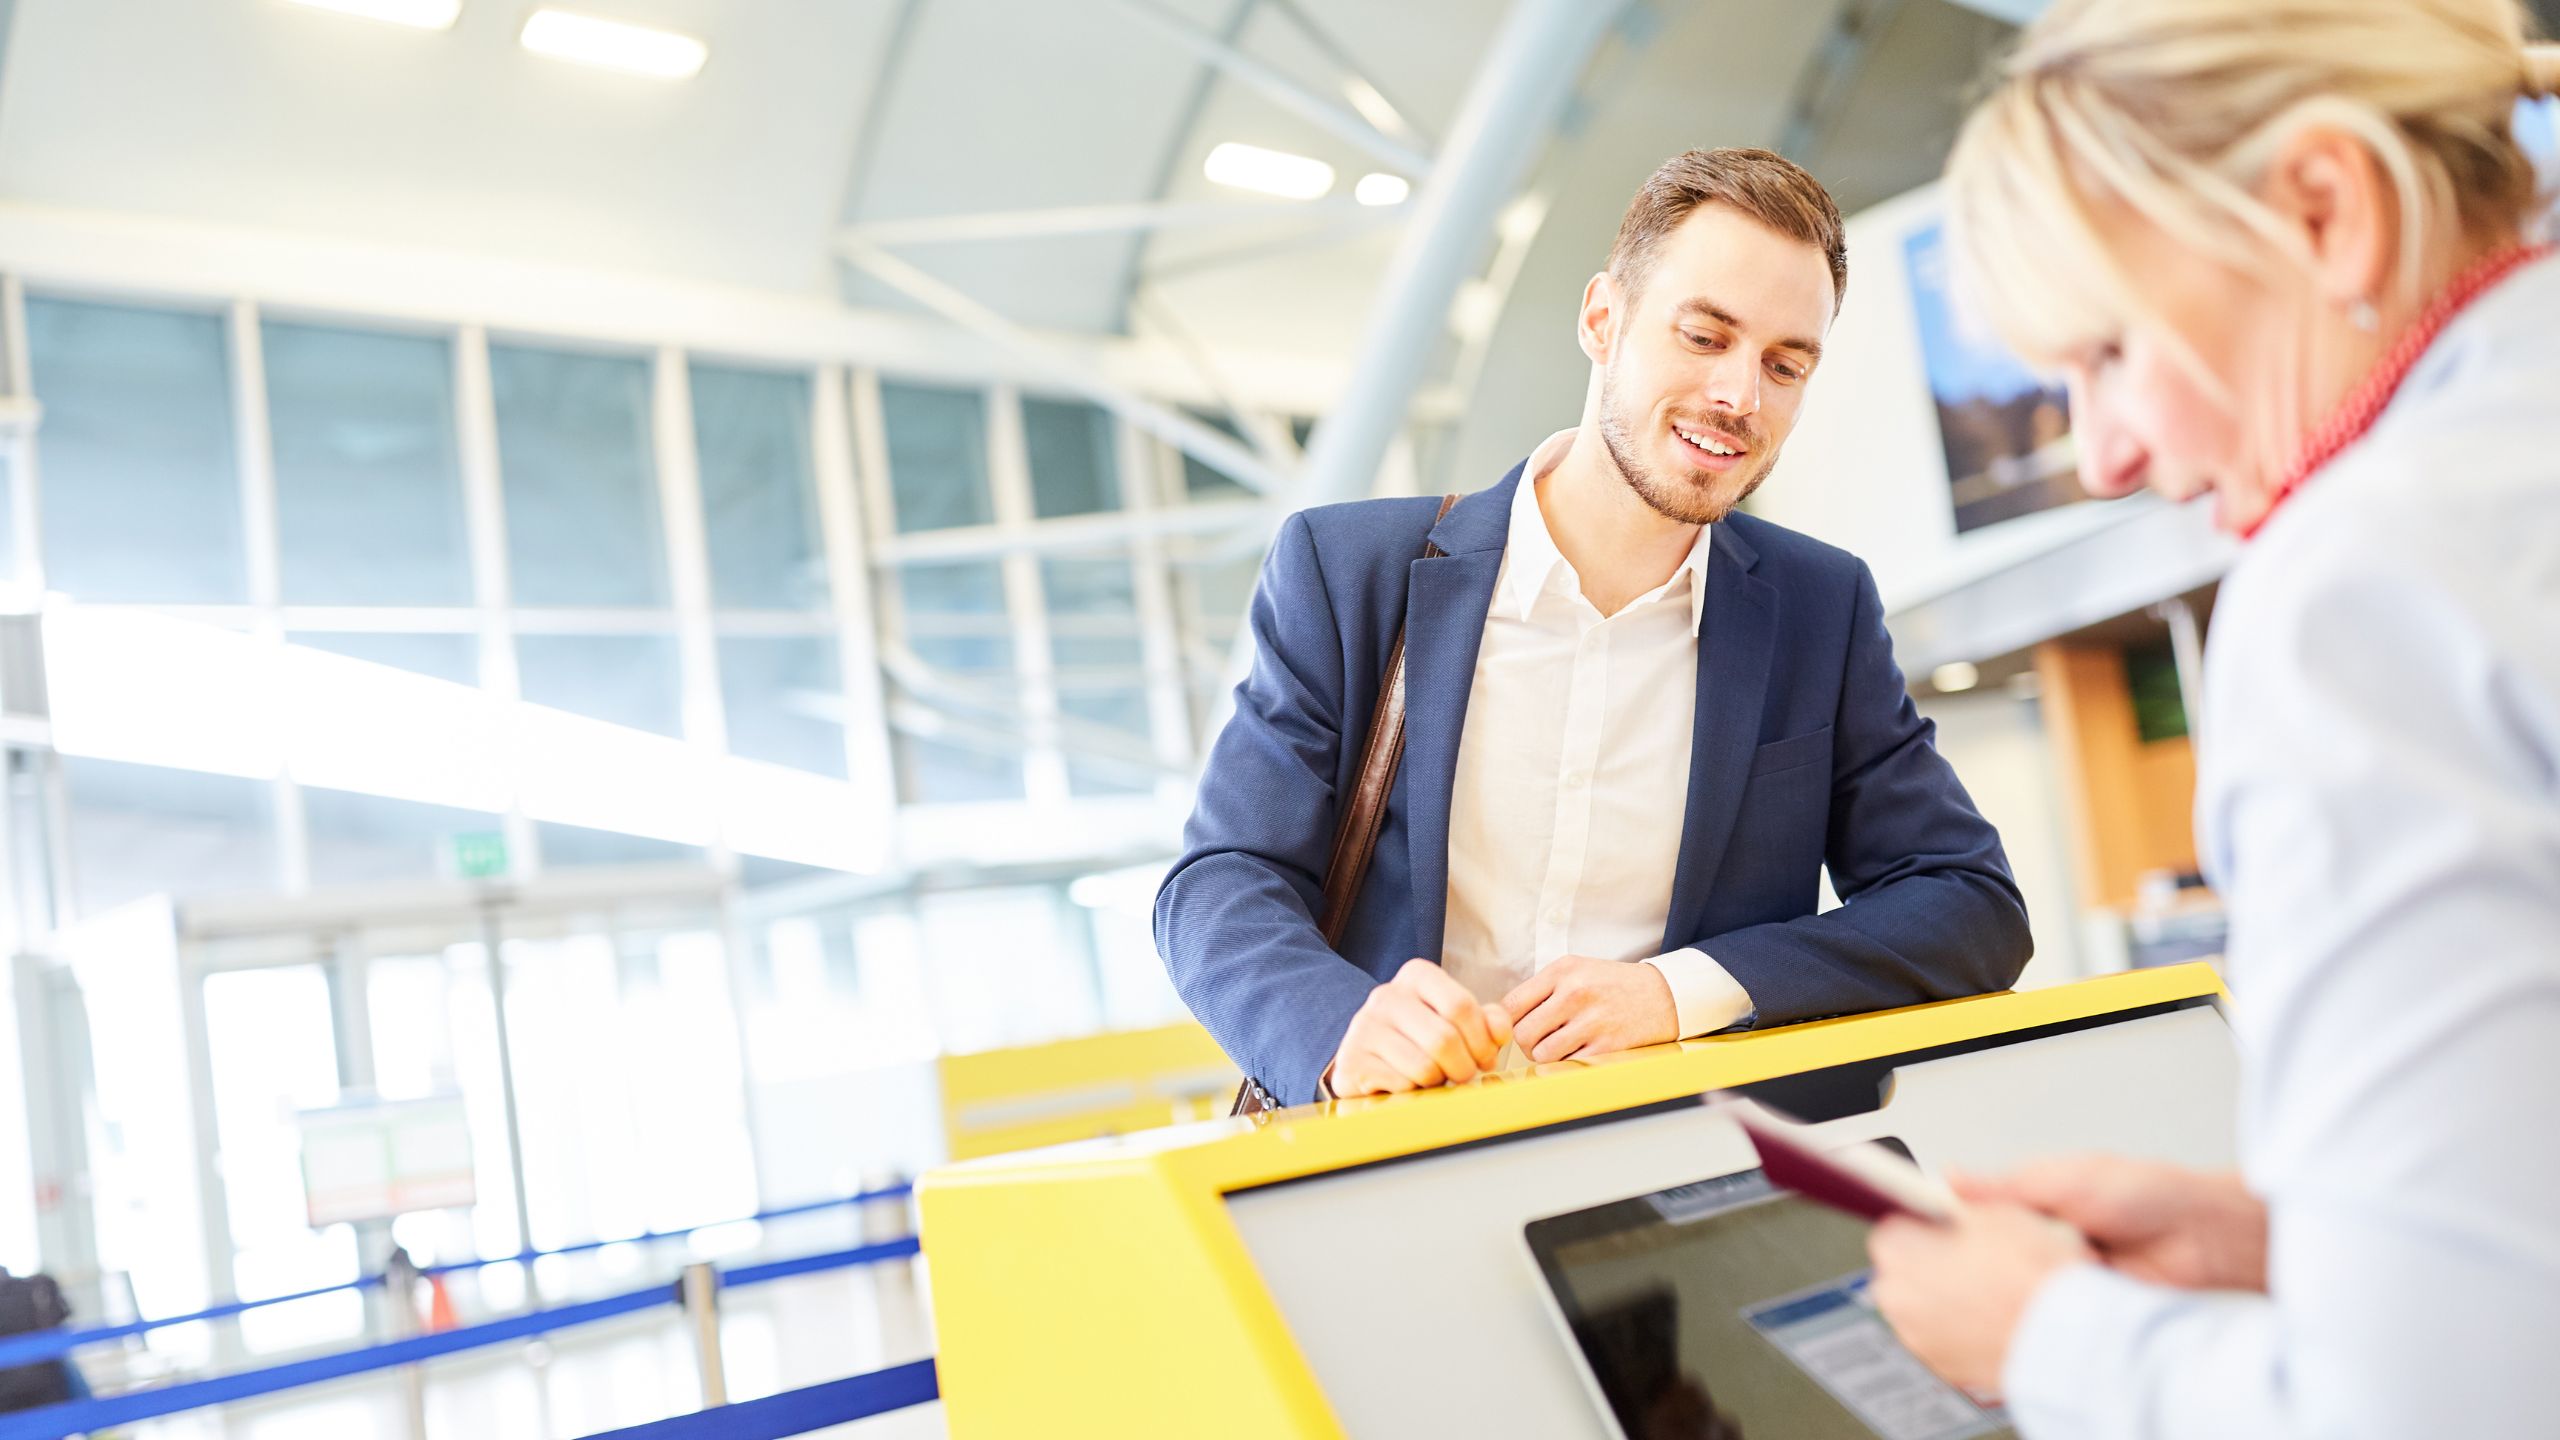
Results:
[1996, 741]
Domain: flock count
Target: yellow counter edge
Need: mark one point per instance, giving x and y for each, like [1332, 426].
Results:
[1103, 1290]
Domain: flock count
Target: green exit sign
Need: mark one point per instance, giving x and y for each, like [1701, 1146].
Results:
[478, 854]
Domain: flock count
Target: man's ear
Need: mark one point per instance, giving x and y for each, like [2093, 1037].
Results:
[2331, 192]
[1598, 326]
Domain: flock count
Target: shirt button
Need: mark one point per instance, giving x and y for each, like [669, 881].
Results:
[1577, 778]
[1556, 916]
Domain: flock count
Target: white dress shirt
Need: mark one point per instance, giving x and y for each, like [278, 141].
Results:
[1573, 774]
[2379, 802]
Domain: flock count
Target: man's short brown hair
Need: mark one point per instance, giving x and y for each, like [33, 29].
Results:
[1762, 184]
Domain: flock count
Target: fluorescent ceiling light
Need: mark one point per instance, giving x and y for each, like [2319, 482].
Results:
[422, 14]
[1273, 172]
[1373, 107]
[1380, 188]
[612, 45]
[1954, 677]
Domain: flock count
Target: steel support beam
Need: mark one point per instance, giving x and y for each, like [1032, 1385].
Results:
[1067, 373]
[1520, 90]
[1068, 534]
[1518, 93]
[1395, 121]
[1335, 119]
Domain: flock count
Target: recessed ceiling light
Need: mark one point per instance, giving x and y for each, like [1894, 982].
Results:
[1380, 188]
[1273, 172]
[1955, 677]
[613, 45]
[421, 14]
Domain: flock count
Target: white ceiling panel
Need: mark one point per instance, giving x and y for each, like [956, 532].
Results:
[264, 113]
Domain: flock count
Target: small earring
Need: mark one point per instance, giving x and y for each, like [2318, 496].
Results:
[2364, 317]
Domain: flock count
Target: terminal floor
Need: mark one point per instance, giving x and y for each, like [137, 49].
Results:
[777, 1336]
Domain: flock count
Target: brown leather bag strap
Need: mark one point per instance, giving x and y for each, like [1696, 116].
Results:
[1355, 839]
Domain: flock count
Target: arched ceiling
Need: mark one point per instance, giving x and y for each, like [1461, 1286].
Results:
[812, 115]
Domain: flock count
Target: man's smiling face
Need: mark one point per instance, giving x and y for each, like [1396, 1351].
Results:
[1708, 351]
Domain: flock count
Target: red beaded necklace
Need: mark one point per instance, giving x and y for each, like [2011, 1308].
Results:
[2364, 404]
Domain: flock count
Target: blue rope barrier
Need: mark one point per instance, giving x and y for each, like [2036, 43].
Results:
[78, 1417]
[53, 1344]
[746, 1275]
[797, 1412]
[48, 1344]
[893, 1192]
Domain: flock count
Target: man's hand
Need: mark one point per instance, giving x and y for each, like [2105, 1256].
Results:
[1581, 1006]
[2157, 1223]
[1418, 1030]
[1955, 1291]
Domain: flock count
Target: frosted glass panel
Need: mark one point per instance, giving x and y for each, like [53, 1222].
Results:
[937, 456]
[368, 480]
[760, 505]
[581, 480]
[137, 450]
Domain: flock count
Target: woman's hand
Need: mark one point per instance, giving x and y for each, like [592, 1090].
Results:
[1954, 1290]
[2156, 1223]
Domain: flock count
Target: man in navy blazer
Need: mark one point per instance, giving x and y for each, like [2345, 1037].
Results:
[1639, 723]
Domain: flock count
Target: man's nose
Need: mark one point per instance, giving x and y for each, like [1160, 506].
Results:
[1733, 385]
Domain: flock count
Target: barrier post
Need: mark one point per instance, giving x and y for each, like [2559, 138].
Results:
[889, 1219]
[700, 1291]
[400, 1289]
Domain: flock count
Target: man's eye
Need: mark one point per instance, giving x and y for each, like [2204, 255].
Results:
[1786, 372]
[1703, 342]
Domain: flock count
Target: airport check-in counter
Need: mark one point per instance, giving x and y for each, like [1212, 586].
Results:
[1543, 1250]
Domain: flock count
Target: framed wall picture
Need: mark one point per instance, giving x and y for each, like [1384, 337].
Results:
[2007, 432]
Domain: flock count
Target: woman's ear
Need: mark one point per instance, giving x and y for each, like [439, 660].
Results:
[2328, 188]
[1598, 324]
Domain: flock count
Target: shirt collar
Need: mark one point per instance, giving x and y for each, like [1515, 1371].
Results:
[1532, 565]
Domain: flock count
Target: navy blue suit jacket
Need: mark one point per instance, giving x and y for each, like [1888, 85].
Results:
[1808, 752]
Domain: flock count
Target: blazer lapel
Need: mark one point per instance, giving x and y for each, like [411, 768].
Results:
[1446, 598]
[1737, 638]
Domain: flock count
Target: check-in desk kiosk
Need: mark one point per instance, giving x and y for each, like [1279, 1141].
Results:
[1574, 1250]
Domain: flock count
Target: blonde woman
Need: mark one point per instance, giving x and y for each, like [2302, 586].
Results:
[2283, 252]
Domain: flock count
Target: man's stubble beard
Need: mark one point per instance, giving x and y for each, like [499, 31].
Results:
[1685, 501]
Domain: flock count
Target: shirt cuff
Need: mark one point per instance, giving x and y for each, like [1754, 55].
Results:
[1705, 998]
[2073, 1366]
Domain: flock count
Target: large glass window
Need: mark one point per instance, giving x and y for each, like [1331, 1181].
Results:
[10, 479]
[571, 847]
[1101, 673]
[435, 1032]
[141, 830]
[937, 456]
[369, 839]
[368, 479]
[623, 679]
[1204, 481]
[273, 1053]
[581, 478]
[629, 1083]
[784, 696]
[1073, 461]
[759, 502]
[141, 479]
[445, 657]
[956, 625]
[1010, 967]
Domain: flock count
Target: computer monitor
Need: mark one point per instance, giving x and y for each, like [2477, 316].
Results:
[1728, 1310]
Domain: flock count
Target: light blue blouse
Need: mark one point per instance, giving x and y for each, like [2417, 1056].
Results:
[2379, 804]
